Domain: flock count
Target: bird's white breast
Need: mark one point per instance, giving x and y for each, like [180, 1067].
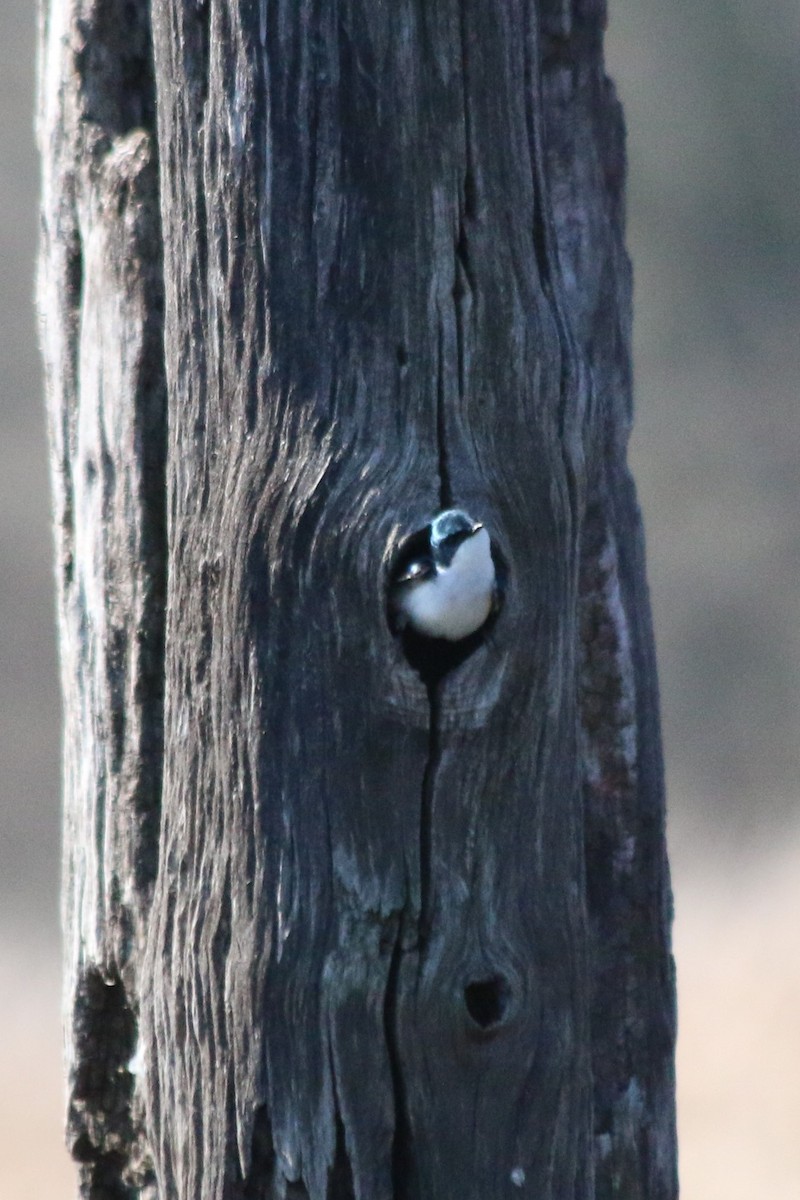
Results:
[458, 599]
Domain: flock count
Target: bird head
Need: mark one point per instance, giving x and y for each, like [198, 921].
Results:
[449, 530]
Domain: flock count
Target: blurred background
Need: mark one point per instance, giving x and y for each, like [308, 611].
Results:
[712, 96]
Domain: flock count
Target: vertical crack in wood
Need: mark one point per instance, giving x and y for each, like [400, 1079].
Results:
[445, 487]
[426, 816]
[259, 1182]
[463, 279]
[401, 1141]
[340, 1175]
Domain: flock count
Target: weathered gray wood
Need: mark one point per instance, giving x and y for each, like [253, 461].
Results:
[333, 932]
[628, 893]
[100, 298]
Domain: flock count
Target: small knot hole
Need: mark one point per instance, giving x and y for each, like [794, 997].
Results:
[487, 1001]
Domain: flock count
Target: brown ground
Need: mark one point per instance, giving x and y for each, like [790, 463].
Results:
[738, 950]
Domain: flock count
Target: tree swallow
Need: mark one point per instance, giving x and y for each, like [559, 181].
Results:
[447, 587]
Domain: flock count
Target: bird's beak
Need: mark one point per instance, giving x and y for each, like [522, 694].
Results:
[478, 525]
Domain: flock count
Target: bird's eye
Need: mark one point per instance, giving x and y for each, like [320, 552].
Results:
[418, 568]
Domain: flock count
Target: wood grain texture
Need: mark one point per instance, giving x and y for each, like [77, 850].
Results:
[627, 875]
[100, 298]
[391, 938]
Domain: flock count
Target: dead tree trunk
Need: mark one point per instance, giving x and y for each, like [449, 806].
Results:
[309, 273]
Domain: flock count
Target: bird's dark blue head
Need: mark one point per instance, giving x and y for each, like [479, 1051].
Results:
[448, 530]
